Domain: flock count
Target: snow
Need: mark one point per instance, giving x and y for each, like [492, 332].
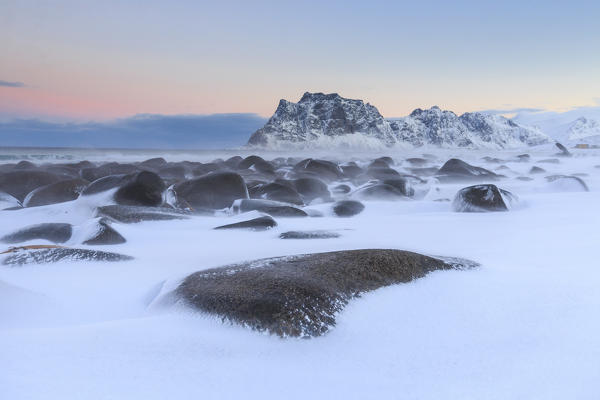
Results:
[523, 325]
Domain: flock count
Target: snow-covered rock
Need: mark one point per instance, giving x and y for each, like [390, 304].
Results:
[321, 120]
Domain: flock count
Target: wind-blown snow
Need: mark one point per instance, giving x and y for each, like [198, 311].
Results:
[523, 325]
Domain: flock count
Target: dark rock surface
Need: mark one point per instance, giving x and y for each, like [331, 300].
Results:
[53, 193]
[105, 234]
[53, 232]
[134, 214]
[212, 191]
[347, 208]
[105, 183]
[300, 296]
[481, 198]
[20, 183]
[255, 224]
[144, 188]
[276, 191]
[379, 191]
[273, 208]
[455, 170]
[309, 235]
[18, 257]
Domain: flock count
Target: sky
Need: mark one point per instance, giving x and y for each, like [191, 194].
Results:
[104, 60]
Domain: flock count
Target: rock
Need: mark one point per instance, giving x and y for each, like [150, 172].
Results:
[341, 189]
[300, 296]
[417, 162]
[309, 235]
[326, 170]
[94, 173]
[455, 170]
[379, 191]
[481, 198]
[311, 189]
[256, 163]
[105, 183]
[430, 171]
[524, 178]
[563, 150]
[23, 256]
[382, 173]
[550, 161]
[402, 184]
[172, 173]
[347, 208]
[537, 170]
[523, 157]
[212, 191]
[277, 192]
[153, 163]
[564, 183]
[255, 224]
[105, 234]
[19, 183]
[351, 170]
[52, 232]
[144, 188]
[53, 193]
[134, 214]
[274, 208]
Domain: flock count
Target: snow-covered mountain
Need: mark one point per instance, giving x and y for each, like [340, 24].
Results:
[320, 120]
[580, 125]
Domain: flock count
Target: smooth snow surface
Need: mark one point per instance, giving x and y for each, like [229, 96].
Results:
[524, 325]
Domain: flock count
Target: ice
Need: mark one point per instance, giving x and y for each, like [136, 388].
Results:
[522, 325]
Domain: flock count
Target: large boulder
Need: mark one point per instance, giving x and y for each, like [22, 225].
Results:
[53, 193]
[212, 191]
[105, 183]
[300, 296]
[93, 173]
[322, 169]
[455, 170]
[379, 191]
[19, 183]
[482, 198]
[144, 188]
[52, 232]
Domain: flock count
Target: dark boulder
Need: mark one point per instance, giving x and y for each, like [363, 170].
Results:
[341, 189]
[52, 232]
[255, 224]
[277, 192]
[481, 198]
[20, 183]
[94, 173]
[135, 214]
[213, 191]
[402, 184]
[382, 173]
[309, 235]
[417, 161]
[301, 295]
[105, 234]
[351, 170]
[311, 189]
[379, 191]
[53, 193]
[455, 170]
[563, 150]
[274, 208]
[326, 170]
[105, 183]
[347, 208]
[153, 163]
[537, 170]
[32, 255]
[144, 188]
[566, 183]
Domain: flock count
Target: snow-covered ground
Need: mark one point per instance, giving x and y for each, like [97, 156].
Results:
[522, 326]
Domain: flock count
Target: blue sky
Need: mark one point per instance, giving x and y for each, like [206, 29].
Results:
[82, 60]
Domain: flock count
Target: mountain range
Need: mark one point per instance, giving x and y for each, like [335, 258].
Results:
[320, 120]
